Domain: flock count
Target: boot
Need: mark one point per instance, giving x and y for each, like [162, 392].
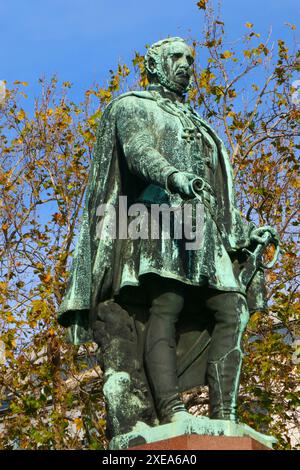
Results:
[160, 362]
[223, 378]
[170, 409]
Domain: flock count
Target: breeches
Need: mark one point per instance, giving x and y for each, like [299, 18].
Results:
[167, 297]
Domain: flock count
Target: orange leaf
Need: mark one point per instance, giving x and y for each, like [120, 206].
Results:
[202, 4]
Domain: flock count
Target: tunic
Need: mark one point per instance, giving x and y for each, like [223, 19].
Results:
[164, 131]
[143, 138]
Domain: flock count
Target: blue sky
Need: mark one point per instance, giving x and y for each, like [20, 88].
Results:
[80, 40]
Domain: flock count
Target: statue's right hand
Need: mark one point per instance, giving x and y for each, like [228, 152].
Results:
[180, 182]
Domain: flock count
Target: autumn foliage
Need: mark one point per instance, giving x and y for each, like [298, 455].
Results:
[50, 391]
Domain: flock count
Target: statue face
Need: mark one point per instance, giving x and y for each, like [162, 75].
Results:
[177, 63]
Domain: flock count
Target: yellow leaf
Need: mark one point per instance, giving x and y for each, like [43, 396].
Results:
[9, 354]
[296, 183]
[249, 25]
[255, 317]
[292, 26]
[21, 115]
[193, 94]
[247, 54]
[272, 277]
[78, 423]
[39, 307]
[226, 55]
[144, 82]
[47, 278]
[202, 4]
[17, 82]
[104, 95]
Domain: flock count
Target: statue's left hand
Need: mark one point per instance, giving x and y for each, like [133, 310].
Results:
[258, 234]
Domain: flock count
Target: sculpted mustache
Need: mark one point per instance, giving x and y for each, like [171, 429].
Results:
[182, 72]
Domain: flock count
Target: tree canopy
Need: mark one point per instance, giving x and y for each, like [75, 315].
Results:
[247, 90]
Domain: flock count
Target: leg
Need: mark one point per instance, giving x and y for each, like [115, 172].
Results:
[127, 395]
[225, 357]
[166, 300]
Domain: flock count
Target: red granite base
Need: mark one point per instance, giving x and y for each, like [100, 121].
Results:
[194, 442]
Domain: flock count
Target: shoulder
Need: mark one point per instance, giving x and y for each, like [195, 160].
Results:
[133, 102]
[132, 107]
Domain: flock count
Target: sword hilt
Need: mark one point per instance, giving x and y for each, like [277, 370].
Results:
[258, 252]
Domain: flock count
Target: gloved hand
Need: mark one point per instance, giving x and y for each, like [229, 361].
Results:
[181, 182]
[258, 234]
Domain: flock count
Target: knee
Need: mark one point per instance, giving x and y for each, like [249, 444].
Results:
[234, 311]
[244, 315]
[168, 305]
[242, 311]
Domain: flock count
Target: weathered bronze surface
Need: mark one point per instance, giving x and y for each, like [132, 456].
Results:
[166, 318]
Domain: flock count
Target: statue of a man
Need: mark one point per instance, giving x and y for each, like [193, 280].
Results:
[166, 317]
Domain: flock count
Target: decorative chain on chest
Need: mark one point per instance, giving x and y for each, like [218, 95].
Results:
[191, 128]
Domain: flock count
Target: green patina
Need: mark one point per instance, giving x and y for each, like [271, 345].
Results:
[153, 148]
[200, 425]
[119, 394]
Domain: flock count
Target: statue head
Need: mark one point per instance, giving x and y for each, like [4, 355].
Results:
[169, 62]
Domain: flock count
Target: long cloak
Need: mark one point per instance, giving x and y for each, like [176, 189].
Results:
[96, 258]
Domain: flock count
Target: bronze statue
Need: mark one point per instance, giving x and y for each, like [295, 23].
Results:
[167, 317]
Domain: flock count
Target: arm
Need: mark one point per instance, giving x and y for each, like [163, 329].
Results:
[137, 136]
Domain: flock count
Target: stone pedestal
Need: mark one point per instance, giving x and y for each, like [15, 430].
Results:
[197, 431]
[194, 442]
